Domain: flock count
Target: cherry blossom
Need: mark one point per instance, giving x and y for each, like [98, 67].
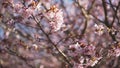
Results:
[55, 16]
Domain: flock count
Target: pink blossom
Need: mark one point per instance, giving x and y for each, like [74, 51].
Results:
[56, 18]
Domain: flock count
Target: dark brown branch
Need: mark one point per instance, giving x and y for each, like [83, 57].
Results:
[85, 14]
[107, 23]
[115, 13]
[105, 14]
[65, 57]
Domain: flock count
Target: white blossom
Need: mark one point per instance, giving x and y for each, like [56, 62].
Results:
[99, 29]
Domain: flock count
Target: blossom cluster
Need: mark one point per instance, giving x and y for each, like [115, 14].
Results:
[84, 55]
[55, 17]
